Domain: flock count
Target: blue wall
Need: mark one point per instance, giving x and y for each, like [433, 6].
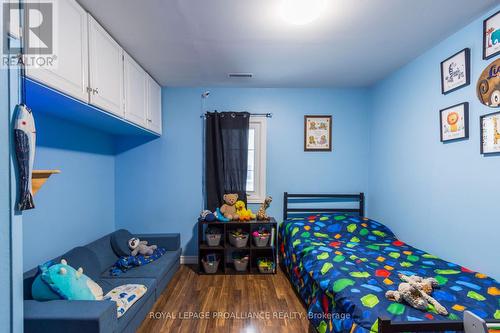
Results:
[440, 197]
[160, 182]
[76, 206]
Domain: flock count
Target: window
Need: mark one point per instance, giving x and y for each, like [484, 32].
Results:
[256, 176]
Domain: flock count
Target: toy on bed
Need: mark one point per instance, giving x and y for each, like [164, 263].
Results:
[137, 246]
[243, 213]
[261, 214]
[416, 291]
[228, 209]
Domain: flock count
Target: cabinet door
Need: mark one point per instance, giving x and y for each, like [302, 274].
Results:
[135, 92]
[106, 70]
[70, 71]
[154, 106]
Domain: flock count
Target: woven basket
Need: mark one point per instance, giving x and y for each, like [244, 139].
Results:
[213, 239]
[238, 242]
[240, 264]
[261, 241]
[210, 267]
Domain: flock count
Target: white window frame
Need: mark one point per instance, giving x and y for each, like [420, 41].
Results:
[259, 125]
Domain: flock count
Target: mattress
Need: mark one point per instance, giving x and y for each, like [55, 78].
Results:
[341, 267]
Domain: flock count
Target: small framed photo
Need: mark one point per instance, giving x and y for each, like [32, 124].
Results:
[455, 71]
[491, 36]
[490, 133]
[317, 133]
[455, 122]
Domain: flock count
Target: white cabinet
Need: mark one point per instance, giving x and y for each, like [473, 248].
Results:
[106, 70]
[153, 116]
[135, 91]
[70, 71]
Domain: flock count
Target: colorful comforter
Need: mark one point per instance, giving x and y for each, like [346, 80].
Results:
[341, 266]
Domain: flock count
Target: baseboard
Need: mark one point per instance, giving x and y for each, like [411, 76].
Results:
[189, 260]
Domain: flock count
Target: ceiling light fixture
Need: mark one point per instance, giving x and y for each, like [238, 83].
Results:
[301, 12]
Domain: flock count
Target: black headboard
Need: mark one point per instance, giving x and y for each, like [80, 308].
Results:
[350, 198]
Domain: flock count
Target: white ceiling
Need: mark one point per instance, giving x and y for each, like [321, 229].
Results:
[353, 43]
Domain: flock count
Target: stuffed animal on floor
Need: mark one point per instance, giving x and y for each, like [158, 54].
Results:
[261, 214]
[137, 246]
[416, 291]
[228, 209]
[244, 214]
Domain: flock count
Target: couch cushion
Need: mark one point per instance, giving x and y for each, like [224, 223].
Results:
[119, 242]
[105, 254]
[156, 269]
[83, 257]
[108, 284]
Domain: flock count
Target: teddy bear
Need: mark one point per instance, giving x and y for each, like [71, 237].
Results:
[137, 246]
[416, 291]
[228, 209]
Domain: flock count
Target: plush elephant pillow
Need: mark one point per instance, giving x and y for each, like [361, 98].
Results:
[119, 242]
[61, 281]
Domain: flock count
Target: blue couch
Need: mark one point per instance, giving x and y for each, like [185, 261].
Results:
[96, 259]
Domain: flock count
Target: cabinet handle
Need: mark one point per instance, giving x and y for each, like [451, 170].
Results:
[149, 120]
[95, 91]
[89, 90]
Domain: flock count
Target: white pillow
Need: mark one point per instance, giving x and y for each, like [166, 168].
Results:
[125, 296]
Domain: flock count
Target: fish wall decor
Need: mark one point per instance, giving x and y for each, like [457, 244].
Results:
[25, 141]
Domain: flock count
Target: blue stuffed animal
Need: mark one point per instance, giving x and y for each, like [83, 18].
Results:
[61, 281]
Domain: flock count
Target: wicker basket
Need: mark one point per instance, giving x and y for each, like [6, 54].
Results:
[261, 241]
[238, 242]
[210, 267]
[213, 239]
[265, 269]
[240, 264]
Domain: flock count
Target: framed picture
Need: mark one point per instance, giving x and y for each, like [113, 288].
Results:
[491, 36]
[454, 122]
[317, 133]
[455, 71]
[488, 85]
[490, 133]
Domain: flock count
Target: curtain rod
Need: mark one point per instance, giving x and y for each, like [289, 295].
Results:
[267, 115]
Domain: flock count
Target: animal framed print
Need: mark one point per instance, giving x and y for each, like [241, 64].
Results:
[317, 133]
[488, 85]
[454, 122]
[455, 71]
[490, 133]
[491, 36]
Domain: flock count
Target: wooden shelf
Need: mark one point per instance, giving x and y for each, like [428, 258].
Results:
[39, 177]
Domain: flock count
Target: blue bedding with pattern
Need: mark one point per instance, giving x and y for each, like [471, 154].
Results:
[341, 266]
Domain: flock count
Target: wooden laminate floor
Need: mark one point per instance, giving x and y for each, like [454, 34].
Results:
[227, 303]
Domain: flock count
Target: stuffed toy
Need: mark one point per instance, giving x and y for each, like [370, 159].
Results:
[61, 281]
[228, 209]
[219, 216]
[137, 246]
[207, 215]
[416, 291]
[261, 214]
[244, 214]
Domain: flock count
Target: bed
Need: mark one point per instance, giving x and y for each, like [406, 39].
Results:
[341, 264]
